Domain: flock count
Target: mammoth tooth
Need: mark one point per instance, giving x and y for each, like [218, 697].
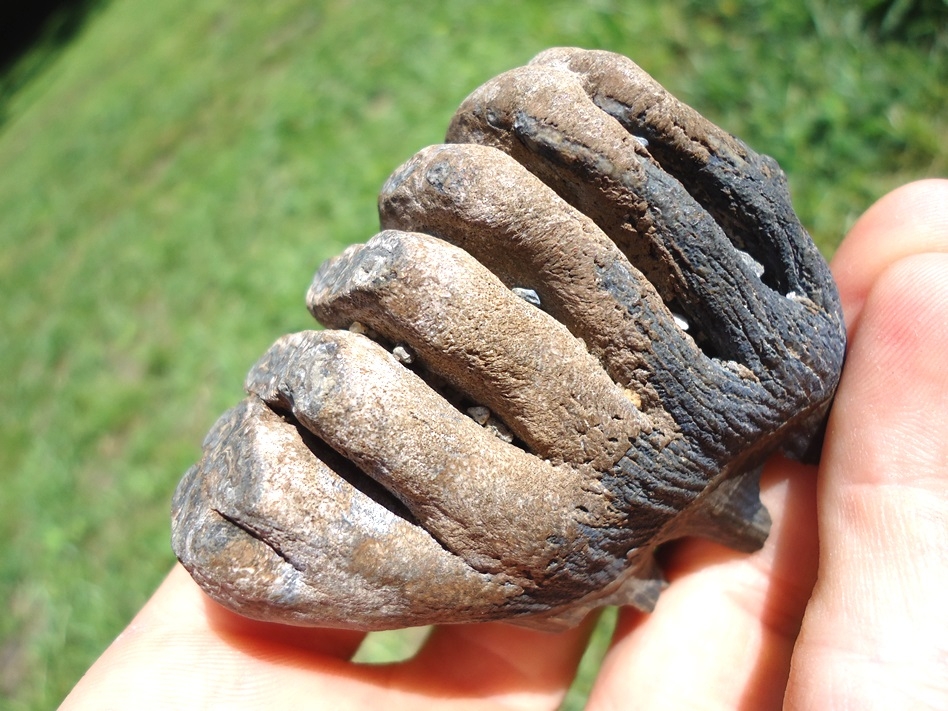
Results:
[587, 320]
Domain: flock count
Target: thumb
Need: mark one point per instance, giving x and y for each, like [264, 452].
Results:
[875, 634]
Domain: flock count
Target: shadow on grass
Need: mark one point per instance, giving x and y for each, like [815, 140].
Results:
[34, 34]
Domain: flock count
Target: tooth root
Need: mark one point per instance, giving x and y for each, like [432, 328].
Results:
[733, 514]
[642, 589]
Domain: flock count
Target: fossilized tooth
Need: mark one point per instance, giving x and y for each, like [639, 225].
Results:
[587, 321]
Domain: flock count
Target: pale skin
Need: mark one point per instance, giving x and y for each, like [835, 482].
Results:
[844, 608]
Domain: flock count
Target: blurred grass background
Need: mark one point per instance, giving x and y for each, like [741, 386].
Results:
[172, 173]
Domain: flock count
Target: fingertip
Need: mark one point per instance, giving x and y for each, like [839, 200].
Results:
[181, 607]
[892, 404]
[910, 220]
[498, 664]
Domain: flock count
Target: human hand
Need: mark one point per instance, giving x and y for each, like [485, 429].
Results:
[843, 607]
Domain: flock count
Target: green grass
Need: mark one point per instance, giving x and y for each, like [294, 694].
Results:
[170, 179]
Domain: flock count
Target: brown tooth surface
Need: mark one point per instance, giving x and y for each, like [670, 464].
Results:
[587, 321]
[270, 525]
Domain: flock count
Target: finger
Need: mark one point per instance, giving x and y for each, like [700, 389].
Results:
[184, 651]
[722, 634]
[875, 632]
[498, 665]
[907, 221]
